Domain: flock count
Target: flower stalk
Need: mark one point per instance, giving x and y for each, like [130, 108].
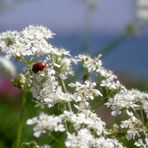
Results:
[21, 118]
[65, 90]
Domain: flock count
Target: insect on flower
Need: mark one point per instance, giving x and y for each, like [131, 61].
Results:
[39, 66]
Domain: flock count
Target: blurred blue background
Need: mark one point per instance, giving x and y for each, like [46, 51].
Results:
[79, 29]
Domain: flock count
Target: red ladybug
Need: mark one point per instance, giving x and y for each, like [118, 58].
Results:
[39, 66]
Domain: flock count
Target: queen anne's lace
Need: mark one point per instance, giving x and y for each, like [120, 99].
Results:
[128, 99]
[29, 42]
[82, 127]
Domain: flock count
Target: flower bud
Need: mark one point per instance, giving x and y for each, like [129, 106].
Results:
[19, 81]
[31, 144]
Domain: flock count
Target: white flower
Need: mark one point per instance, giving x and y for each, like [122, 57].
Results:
[145, 107]
[7, 66]
[133, 126]
[91, 64]
[46, 146]
[143, 14]
[45, 123]
[37, 32]
[83, 139]
[142, 143]
[85, 91]
[65, 68]
[142, 3]
[29, 42]
[87, 119]
[109, 80]
[142, 10]
[107, 143]
[84, 129]
[61, 60]
[126, 99]
[46, 89]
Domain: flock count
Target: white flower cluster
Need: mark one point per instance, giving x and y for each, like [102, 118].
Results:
[142, 10]
[73, 100]
[89, 129]
[133, 125]
[94, 65]
[61, 60]
[29, 42]
[84, 139]
[134, 103]
[51, 123]
[46, 146]
[46, 89]
[80, 140]
[142, 143]
[85, 91]
[128, 99]
[86, 119]
[89, 63]
[7, 66]
[45, 123]
[109, 80]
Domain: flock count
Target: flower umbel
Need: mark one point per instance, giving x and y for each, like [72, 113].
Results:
[47, 74]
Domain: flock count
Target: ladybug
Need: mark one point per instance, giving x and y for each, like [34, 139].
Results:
[39, 66]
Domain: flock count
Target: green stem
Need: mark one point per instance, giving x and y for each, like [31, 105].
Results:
[98, 105]
[136, 114]
[111, 46]
[55, 139]
[142, 117]
[65, 90]
[87, 33]
[21, 119]
[66, 125]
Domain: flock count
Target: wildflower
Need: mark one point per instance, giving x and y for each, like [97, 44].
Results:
[7, 66]
[89, 63]
[45, 80]
[30, 144]
[29, 42]
[85, 91]
[108, 143]
[85, 119]
[133, 125]
[19, 81]
[109, 80]
[46, 146]
[37, 32]
[46, 89]
[61, 61]
[127, 99]
[142, 143]
[142, 10]
[83, 139]
[45, 123]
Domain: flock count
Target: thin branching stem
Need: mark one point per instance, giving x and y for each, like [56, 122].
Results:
[65, 90]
